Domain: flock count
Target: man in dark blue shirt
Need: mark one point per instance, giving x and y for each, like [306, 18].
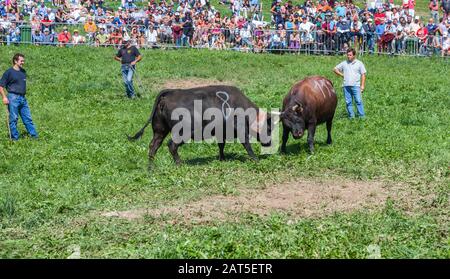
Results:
[14, 81]
[128, 56]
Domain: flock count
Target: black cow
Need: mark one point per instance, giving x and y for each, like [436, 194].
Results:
[220, 98]
[310, 102]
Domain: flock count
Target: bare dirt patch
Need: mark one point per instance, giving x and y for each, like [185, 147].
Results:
[301, 199]
[192, 82]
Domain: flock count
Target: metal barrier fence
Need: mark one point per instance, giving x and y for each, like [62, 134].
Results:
[251, 39]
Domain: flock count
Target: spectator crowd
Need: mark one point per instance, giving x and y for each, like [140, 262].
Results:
[322, 26]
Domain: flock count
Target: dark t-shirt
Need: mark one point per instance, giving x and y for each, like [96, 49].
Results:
[128, 54]
[14, 81]
[446, 5]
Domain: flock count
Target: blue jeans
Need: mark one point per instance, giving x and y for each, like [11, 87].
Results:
[18, 105]
[127, 76]
[351, 92]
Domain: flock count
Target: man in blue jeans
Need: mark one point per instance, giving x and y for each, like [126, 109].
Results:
[14, 81]
[354, 74]
[128, 55]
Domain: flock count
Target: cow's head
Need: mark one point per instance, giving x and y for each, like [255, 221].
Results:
[292, 117]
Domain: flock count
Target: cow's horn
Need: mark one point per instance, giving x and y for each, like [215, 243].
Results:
[294, 107]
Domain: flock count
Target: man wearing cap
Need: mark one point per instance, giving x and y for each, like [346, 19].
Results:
[47, 38]
[77, 38]
[354, 74]
[387, 39]
[369, 34]
[128, 55]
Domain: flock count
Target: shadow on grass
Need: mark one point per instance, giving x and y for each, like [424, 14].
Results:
[300, 147]
[228, 157]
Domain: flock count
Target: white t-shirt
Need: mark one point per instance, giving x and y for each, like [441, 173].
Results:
[306, 27]
[151, 36]
[352, 72]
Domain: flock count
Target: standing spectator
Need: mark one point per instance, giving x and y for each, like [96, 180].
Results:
[128, 55]
[188, 30]
[354, 74]
[434, 10]
[369, 35]
[422, 35]
[356, 32]
[329, 28]
[14, 81]
[343, 31]
[445, 6]
[409, 5]
[306, 28]
[387, 39]
[177, 29]
[445, 45]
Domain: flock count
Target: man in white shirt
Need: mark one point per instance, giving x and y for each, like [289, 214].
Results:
[306, 29]
[151, 34]
[354, 74]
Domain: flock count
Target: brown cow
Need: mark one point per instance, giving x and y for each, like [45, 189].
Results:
[310, 102]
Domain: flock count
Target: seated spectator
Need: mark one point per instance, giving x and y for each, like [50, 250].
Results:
[116, 38]
[246, 35]
[165, 33]
[219, 44]
[151, 35]
[37, 37]
[101, 38]
[64, 37]
[42, 10]
[129, 5]
[13, 36]
[46, 23]
[60, 16]
[48, 38]
[90, 28]
[35, 23]
[77, 39]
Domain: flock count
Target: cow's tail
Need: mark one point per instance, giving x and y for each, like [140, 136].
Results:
[139, 134]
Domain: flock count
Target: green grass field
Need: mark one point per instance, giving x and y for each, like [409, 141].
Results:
[53, 190]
